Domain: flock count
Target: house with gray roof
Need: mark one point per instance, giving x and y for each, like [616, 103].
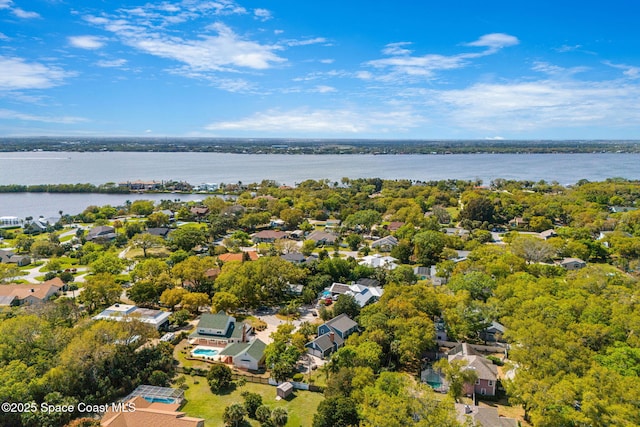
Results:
[9, 257]
[385, 244]
[245, 355]
[323, 238]
[331, 336]
[484, 416]
[219, 330]
[101, 233]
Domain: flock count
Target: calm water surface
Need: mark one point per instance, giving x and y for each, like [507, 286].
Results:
[196, 168]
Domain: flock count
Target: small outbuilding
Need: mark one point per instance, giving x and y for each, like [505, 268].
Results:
[284, 390]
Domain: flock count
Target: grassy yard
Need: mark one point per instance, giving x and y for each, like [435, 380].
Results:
[204, 404]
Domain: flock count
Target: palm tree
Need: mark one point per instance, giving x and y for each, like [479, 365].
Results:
[234, 414]
[279, 417]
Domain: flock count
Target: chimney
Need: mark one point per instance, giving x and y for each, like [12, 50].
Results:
[33, 290]
[332, 336]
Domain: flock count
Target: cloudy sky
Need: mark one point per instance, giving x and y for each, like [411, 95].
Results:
[463, 69]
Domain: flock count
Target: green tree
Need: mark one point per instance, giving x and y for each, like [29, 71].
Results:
[479, 209]
[219, 378]
[252, 401]
[532, 249]
[457, 374]
[263, 414]
[193, 301]
[146, 241]
[141, 207]
[172, 297]
[224, 301]
[336, 412]
[346, 304]
[363, 219]
[292, 217]
[100, 290]
[187, 237]
[279, 416]
[157, 219]
[428, 246]
[234, 415]
[107, 262]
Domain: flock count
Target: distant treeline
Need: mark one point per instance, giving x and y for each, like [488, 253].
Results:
[327, 146]
[63, 188]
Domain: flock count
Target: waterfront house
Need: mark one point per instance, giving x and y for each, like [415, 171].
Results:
[10, 222]
[219, 330]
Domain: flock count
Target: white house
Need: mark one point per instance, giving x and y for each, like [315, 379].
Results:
[379, 261]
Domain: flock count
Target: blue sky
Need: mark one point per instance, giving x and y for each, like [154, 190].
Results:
[461, 69]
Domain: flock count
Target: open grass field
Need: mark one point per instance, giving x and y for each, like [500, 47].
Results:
[204, 404]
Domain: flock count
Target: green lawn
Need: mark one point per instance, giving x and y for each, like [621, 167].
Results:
[202, 403]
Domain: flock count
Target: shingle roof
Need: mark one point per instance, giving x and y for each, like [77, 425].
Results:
[214, 321]
[256, 349]
[341, 323]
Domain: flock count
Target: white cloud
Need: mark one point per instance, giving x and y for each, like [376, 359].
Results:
[495, 41]
[3, 37]
[555, 70]
[224, 51]
[16, 74]
[397, 49]
[324, 89]
[630, 71]
[5, 4]
[114, 63]
[24, 14]
[566, 48]
[306, 42]
[327, 61]
[402, 65]
[15, 115]
[86, 42]
[262, 14]
[321, 122]
[525, 106]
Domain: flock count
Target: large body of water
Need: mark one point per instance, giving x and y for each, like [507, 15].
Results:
[197, 168]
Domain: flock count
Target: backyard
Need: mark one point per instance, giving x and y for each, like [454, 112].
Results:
[202, 403]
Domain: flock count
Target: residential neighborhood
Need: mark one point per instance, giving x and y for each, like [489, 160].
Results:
[463, 301]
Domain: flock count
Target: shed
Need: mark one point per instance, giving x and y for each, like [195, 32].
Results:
[284, 390]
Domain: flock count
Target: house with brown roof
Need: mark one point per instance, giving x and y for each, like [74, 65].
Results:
[140, 412]
[487, 372]
[29, 293]
[240, 256]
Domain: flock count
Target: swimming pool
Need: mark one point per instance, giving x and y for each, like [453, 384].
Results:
[159, 399]
[203, 351]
